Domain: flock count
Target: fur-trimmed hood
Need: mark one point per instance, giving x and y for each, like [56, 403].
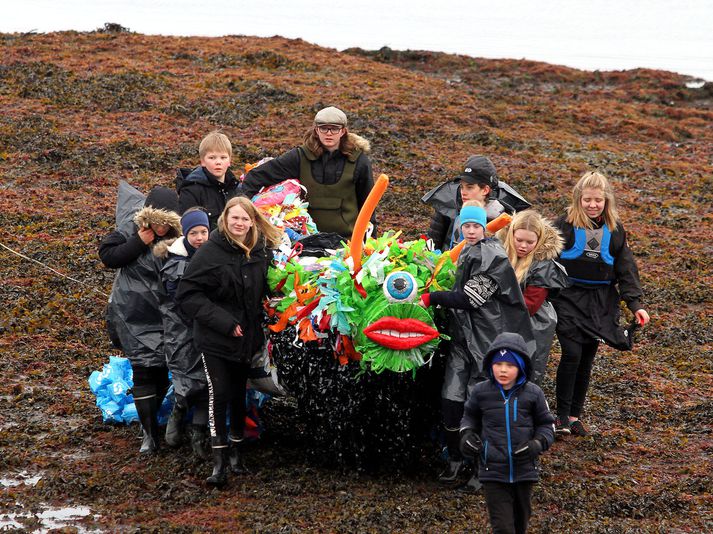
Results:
[361, 143]
[147, 216]
[551, 242]
[164, 248]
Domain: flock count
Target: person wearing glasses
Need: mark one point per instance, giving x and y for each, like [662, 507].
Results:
[332, 164]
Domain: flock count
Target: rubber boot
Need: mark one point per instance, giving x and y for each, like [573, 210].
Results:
[237, 457]
[174, 427]
[453, 471]
[199, 441]
[147, 410]
[473, 485]
[219, 477]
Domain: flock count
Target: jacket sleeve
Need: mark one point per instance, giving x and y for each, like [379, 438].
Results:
[543, 420]
[272, 172]
[438, 229]
[476, 291]
[472, 414]
[534, 297]
[116, 251]
[192, 297]
[627, 275]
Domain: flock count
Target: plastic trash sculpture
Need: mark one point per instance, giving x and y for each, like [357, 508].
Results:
[351, 343]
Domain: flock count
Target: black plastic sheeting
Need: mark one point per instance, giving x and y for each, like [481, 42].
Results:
[358, 419]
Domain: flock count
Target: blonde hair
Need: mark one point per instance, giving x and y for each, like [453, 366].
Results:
[476, 203]
[347, 146]
[260, 226]
[215, 141]
[525, 220]
[576, 215]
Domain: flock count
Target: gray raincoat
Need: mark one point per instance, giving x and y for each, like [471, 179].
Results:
[473, 331]
[183, 359]
[133, 315]
[546, 273]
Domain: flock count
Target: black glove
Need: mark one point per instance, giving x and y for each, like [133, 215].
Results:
[470, 443]
[532, 449]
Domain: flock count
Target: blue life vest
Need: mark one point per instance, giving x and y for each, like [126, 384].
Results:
[589, 261]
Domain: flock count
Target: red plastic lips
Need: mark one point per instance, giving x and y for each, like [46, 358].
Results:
[400, 334]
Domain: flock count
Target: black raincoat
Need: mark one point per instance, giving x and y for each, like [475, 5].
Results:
[447, 203]
[133, 316]
[473, 331]
[223, 288]
[588, 312]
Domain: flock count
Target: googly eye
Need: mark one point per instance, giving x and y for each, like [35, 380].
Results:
[400, 287]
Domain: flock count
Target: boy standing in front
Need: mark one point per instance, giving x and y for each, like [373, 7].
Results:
[508, 424]
[210, 185]
[485, 301]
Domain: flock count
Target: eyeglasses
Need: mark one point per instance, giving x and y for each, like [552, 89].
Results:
[329, 129]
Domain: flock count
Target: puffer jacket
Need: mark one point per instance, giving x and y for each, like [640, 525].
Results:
[223, 288]
[133, 316]
[198, 187]
[507, 420]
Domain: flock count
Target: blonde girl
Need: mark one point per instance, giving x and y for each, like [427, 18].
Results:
[603, 272]
[223, 289]
[533, 244]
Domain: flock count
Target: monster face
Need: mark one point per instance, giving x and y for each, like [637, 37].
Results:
[377, 309]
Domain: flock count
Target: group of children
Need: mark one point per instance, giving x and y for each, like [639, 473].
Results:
[512, 293]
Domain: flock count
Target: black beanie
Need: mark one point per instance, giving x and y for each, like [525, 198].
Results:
[162, 198]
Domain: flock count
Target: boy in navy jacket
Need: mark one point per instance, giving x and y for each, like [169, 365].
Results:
[508, 423]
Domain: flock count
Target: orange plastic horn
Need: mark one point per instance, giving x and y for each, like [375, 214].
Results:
[356, 245]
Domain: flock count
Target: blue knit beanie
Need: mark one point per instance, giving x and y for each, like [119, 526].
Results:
[192, 219]
[506, 355]
[473, 214]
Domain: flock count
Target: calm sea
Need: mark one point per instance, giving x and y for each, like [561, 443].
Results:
[592, 35]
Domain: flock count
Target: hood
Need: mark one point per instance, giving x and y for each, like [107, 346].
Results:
[199, 175]
[551, 242]
[164, 248]
[361, 143]
[148, 215]
[514, 342]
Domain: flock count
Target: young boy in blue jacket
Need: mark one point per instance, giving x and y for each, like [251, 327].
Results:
[508, 423]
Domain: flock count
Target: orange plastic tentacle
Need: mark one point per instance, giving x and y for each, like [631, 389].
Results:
[362, 223]
[455, 251]
[501, 221]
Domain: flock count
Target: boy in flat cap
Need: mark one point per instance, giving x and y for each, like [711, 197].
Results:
[478, 181]
[332, 164]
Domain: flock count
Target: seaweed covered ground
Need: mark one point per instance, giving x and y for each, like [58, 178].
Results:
[80, 111]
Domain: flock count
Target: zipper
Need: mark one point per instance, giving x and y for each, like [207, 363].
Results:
[507, 429]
